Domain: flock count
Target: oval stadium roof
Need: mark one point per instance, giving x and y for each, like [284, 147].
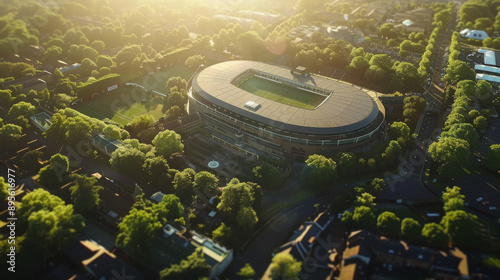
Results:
[347, 109]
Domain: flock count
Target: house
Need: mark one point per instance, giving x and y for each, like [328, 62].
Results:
[370, 256]
[105, 144]
[474, 34]
[70, 69]
[97, 262]
[187, 241]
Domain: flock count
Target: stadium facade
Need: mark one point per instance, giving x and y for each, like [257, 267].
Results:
[307, 114]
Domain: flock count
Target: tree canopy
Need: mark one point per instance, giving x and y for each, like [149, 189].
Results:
[137, 230]
[284, 266]
[85, 192]
[389, 223]
[318, 171]
[168, 142]
[194, 267]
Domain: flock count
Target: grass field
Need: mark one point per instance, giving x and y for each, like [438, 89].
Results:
[157, 80]
[281, 93]
[123, 106]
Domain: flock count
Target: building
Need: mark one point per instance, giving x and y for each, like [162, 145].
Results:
[187, 241]
[106, 144]
[474, 34]
[370, 256]
[344, 33]
[267, 111]
[418, 20]
[24, 85]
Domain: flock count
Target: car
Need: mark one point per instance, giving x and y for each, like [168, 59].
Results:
[340, 216]
[466, 203]
[486, 202]
[479, 199]
[493, 208]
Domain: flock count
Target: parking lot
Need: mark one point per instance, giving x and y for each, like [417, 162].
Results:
[492, 136]
[481, 193]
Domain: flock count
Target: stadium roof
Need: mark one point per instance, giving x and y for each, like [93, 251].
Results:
[347, 109]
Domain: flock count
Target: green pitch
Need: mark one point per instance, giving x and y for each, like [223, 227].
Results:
[282, 93]
[123, 106]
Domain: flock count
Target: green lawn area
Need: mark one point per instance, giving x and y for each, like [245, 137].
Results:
[157, 80]
[123, 106]
[401, 211]
[281, 93]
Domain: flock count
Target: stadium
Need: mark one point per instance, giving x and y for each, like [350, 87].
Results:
[278, 113]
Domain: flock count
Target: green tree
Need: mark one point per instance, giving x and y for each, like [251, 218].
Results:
[177, 81]
[222, 234]
[246, 272]
[168, 142]
[411, 229]
[195, 60]
[37, 200]
[235, 195]
[128, 160]
[4, 189]
[388, 223]
[458, 70]
[364, 217]
[267, 176]
[154, 168]
[409, 76]
[451, 155]
[172, 206]
[50, 230]
[194, 267]
[137, 230]
[376, 186]
[85, 192]
[9, 134]
[22, 108]
[434, 233]
[246, 218]
[460, 226]
[453, 199]
[464, 131]
[284, 266]
[492, 159]
[139, 123]
[318, 171]
[250, 44]
[480, 123]
[365, 199]
[184, 184]
[346, 163]
[206, 184]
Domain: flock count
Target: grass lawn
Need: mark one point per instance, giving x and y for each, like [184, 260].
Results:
[157, 80]
[281, 93]
[401, 211]
[123, 106]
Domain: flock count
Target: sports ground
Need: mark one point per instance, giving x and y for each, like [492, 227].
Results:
[122, 106]
[281, 93]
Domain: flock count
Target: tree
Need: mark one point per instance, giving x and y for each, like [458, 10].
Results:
[480, 123]
[178, 82]
[184, 184]
[392, 152]
[127, 54]
[464, 131]
[235, 195]
[168, 142]
[318, 171]
[363, 217]
[85, 192]
[23, 109]
[246, 218]
[411, 229]
[409, 76]
[267, 176]
[458, 70]
[52, 54]
[308, 59]
[194, 267]
[358, 65]
[37, 200]
[139, 123]
[365, 199]
[4, 189]
[492, 159]
[49, 230]
[346, 163]
[246, 272]
[434, 233]
[154, 168]
[195, 60]
[9, 134]
[460, 226]
[250, 44]
[222, 234]
[451, 155]
[137, 230]
[206, 184]
[453, 199]
[388, 223]
[376, 186]
[171, 204]
[128, 160]
[284, 266]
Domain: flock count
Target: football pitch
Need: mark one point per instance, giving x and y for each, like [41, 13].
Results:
[122, 106]
[282, 93]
